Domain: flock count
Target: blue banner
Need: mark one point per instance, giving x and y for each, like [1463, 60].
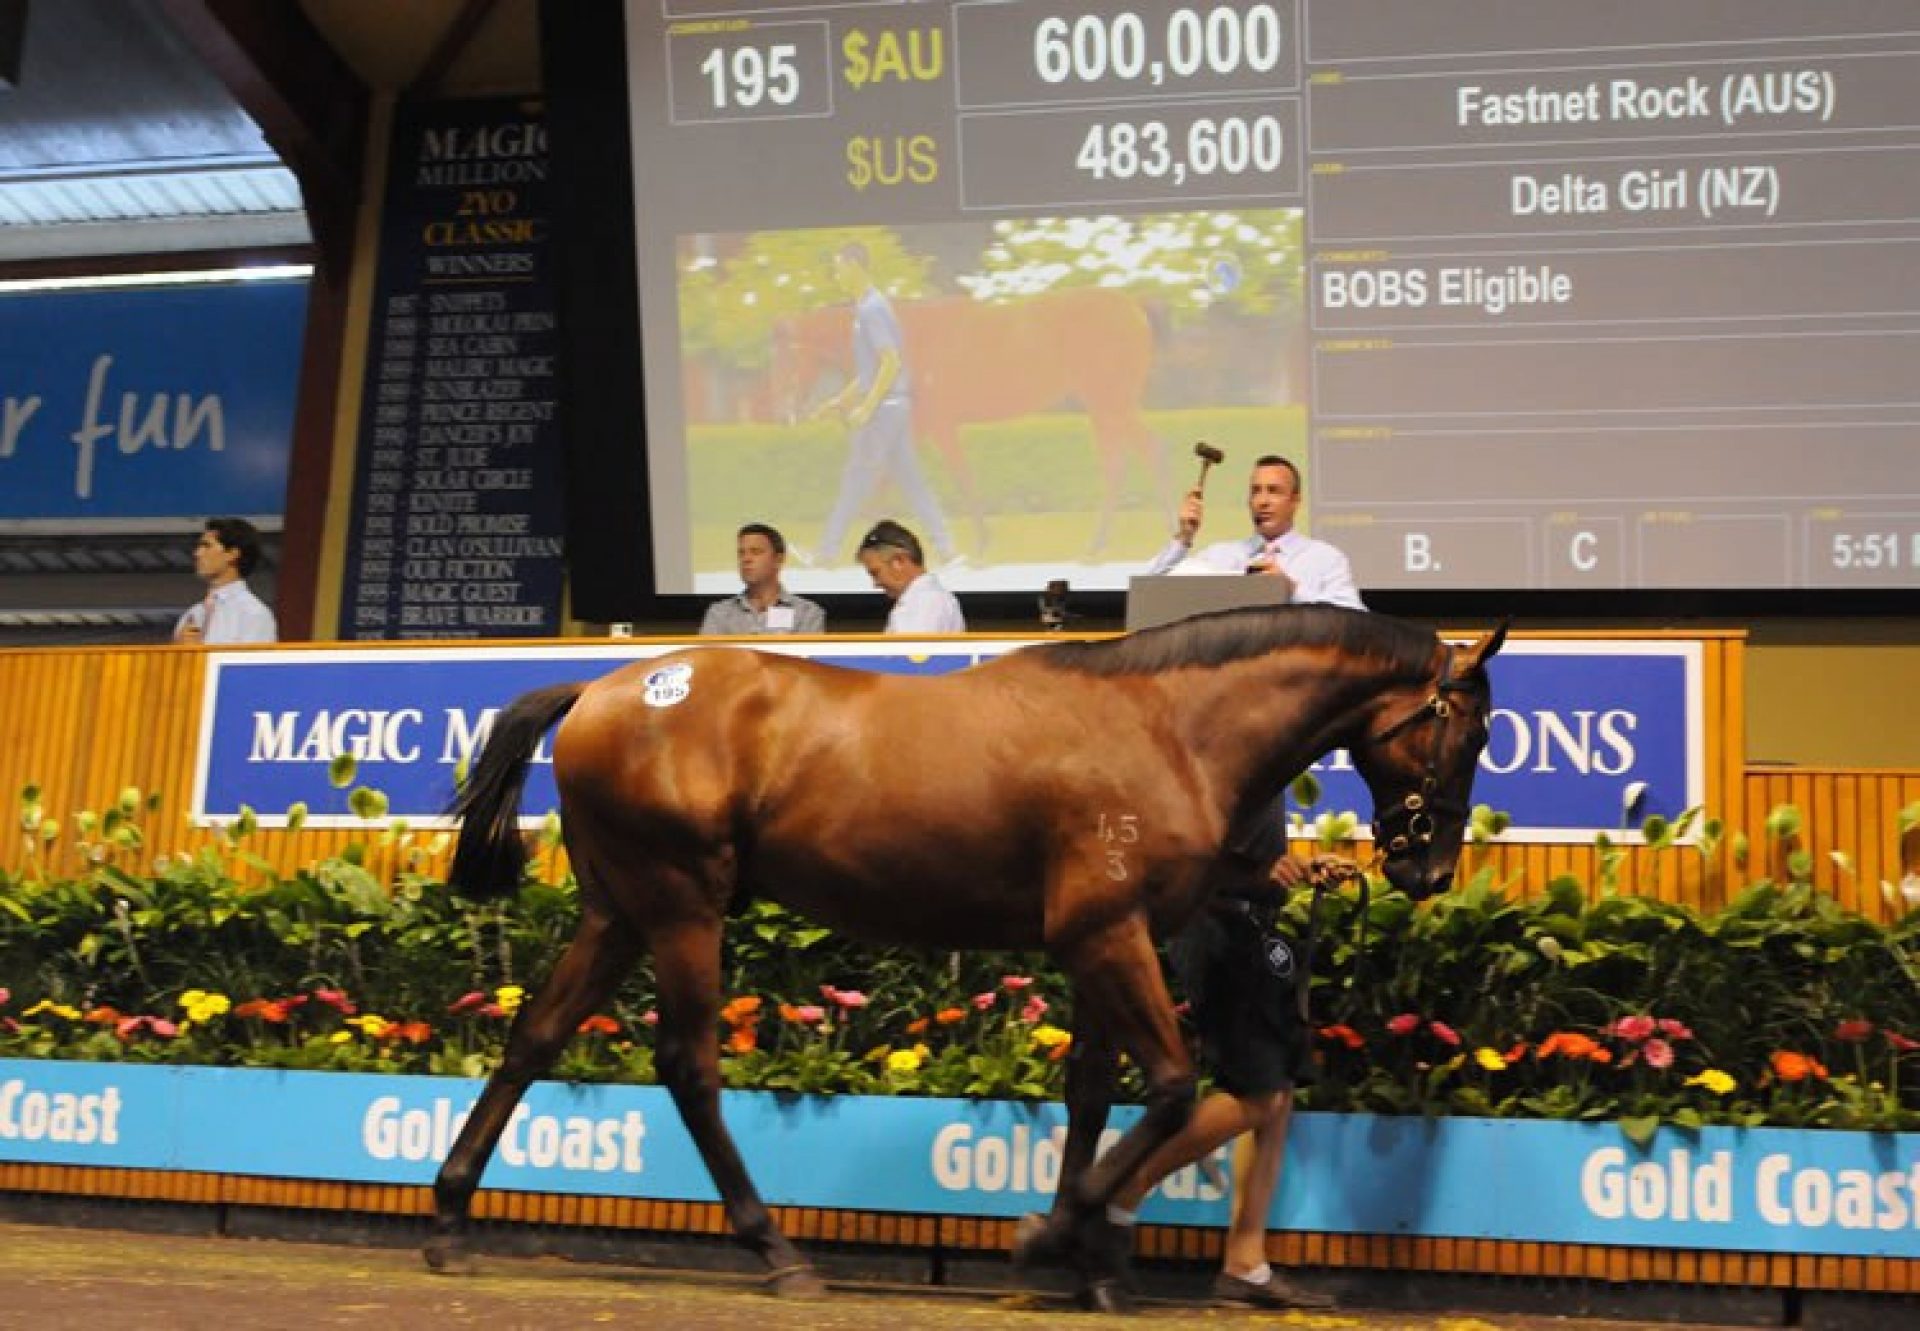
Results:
[1578, 725]
[1755, 1190]
[169, 403]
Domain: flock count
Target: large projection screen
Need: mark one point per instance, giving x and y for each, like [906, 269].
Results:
[1538, 294]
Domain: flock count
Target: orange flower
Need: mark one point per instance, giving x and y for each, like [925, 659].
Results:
[744, 1040]
[1789, 1066]
[599, 1024]
[1572, 1044]
[103, 1016]
[742, 1011]
[408, 1032]
[1346, 1035]
[918, 1026]
[947, 1016]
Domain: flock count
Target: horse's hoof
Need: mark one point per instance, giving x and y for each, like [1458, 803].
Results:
[447, 1258]
[796, 1282]
[1107, 1296]
[1038, 1240]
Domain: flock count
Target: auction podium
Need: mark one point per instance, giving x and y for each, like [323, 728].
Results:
[1155, 599]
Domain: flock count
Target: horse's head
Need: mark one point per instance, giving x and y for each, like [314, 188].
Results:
[1419, 763]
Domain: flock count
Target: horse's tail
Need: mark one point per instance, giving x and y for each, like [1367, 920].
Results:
[490, 854]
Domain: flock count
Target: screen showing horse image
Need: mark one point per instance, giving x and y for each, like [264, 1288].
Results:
[694, 782]
[1089, 349]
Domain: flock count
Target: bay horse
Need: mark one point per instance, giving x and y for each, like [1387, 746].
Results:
[973, 360]
[1074, 797]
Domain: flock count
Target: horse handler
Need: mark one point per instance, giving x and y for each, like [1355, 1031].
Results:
[1246, 984]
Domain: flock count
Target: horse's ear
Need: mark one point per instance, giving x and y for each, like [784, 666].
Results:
[1486, 649]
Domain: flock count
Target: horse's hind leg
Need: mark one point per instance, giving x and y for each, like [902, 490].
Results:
[603, 950]
[686, 968]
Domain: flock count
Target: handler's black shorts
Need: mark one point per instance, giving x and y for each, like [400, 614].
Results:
[1240, 984]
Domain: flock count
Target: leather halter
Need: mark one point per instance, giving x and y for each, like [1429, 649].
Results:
[1416, 810]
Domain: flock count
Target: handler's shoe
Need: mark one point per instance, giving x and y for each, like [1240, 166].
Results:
[1275, 1292]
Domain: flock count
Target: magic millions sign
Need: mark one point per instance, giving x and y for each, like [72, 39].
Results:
[1581, 728]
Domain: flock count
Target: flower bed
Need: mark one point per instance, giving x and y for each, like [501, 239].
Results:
[1575, 1002]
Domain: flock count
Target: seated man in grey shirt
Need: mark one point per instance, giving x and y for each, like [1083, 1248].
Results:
[763, 605]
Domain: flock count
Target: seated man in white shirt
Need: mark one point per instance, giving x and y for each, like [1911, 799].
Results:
[894, 560]
[1315, 571]
[229, 550]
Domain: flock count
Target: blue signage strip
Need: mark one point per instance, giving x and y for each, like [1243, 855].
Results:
[1758, 1190]
[1578, 725]
[169, 403]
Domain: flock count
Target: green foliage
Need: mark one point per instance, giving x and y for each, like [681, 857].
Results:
[1576, 1001]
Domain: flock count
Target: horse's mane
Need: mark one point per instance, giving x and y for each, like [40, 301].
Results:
[1234, 635]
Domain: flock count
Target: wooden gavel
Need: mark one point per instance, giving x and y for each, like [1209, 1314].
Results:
[1208, 455]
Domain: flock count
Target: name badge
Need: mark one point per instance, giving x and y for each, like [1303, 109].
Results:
[780, 618]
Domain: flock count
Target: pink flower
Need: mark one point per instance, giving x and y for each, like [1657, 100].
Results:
[1015, 982]
[466, 1003]
[1636, 1028]
[1444, 1033]
[809, 1014]
[1659, 1053]
[1404, 1024]
[1035, 1009]
[334, 998]
[6, 996]
[1854, 1031]
[651, 1017]
[984, 1001]
[846, 998]
[1675, 1030]
[1899, 1041]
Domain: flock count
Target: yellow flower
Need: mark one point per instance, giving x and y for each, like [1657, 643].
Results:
[203, 1007]
[370, 1026]
[903, 1060]
[509, 996]
[1714, 1080]
[340, 1037]
[57, 1009]
[1049, 1037]
[1490, 1059]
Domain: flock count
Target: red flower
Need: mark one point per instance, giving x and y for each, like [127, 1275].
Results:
[1015, 982]
[1345, 1035]
[336, 999]
[1899, 1041]
[467, 1003]
[599, 1024]
[1854, 1031]
[1404, 1024]
[1675, 1030]
[1444, 1033]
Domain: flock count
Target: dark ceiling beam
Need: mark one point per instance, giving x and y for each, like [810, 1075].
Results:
[308, 103]
[452, 45]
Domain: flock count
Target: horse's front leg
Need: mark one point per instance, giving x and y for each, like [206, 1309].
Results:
[1092, 1069]
[601, 954]
[1119, 989]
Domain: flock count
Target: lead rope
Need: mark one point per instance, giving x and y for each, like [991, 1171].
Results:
[1327, 873]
